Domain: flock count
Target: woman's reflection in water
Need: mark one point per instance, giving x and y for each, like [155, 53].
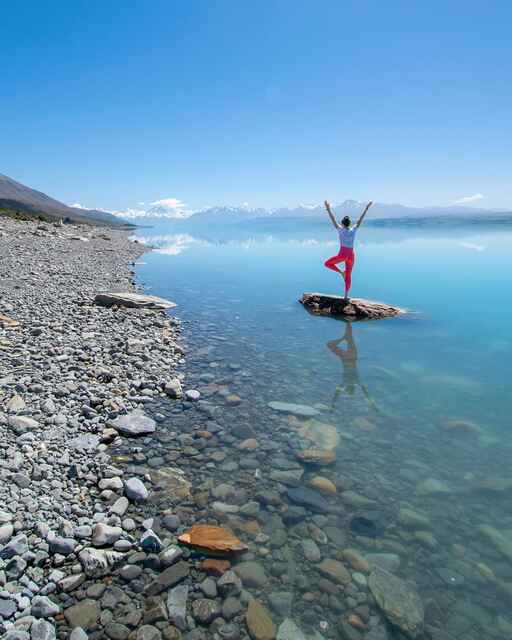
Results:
[348, 357]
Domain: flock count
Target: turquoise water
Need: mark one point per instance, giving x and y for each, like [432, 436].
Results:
[418, 408]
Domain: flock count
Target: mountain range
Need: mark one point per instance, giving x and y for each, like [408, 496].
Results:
[18, 200]
[304, 212]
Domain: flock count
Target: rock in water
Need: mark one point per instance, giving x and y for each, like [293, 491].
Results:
[334, 570]
[294, 409]
[130, 299]
[318, 457]
[135, 423]
[398, 600]
[259, 622]
[308, 498]
[324, 436]
[289, 631]
[177, 606]
[354, 308]
[210, 538]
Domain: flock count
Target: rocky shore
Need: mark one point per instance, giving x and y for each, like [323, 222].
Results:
[71, 376]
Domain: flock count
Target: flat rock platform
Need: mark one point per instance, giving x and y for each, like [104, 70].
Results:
[130, 299]
[324, 304]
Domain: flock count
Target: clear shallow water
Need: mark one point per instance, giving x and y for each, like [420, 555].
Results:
[419, 408]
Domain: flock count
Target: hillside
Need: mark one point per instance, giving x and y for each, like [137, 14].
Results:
[17, 199]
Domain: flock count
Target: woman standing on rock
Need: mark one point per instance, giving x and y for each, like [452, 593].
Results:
[347, 234]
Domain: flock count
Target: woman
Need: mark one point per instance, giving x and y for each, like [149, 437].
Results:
[346, 254]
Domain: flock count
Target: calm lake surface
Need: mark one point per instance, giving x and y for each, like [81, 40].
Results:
[416, 409]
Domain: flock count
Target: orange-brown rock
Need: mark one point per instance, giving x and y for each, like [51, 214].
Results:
[323, 436]
[8, 323]
[215, 567]
[334, 570]
[215, 539]
[356, 560]
[203, 434]
[316, 457]
[259, 623]
[322, 484]
[251, 527]
[356, 622]
[250, 443]
[462, 427]
[233, 399]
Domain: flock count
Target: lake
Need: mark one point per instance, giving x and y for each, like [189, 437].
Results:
[412, 415]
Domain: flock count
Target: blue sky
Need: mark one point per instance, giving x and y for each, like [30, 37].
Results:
[269, 102]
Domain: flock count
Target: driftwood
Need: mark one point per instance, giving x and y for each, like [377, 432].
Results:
[323, 304]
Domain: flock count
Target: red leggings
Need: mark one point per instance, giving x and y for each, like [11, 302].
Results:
[348, 257]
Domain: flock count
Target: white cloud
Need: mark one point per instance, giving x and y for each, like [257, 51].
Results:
[77, 205]
[172, 203]
[470, 199]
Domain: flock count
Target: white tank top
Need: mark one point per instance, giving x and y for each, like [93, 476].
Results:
[347, 236]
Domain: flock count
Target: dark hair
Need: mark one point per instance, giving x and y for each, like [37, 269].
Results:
[346, 221]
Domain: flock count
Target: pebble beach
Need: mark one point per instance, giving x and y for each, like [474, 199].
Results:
[68, 369]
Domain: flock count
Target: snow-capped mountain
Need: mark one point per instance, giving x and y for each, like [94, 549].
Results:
[168, 208]
[229, 214]
[171, 209]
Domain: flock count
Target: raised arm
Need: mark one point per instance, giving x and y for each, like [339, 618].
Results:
[360, 221]
[331, 215]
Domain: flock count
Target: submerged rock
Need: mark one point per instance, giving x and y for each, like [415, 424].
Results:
[211, 538]
[288, 630]
[252, 574]
[335, 571]
[412, 519]
[309, 499]
[294, 409]
[494, 485]
[461, 427]
[318, 457]
[366, 526]
[325, 436]
[502, 540]
[177, 606]
[323, 484]
[398, 600]
[171, 482]
[259, 623]
[432, 486]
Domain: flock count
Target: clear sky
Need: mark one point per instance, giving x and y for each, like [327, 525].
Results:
[270, 102]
